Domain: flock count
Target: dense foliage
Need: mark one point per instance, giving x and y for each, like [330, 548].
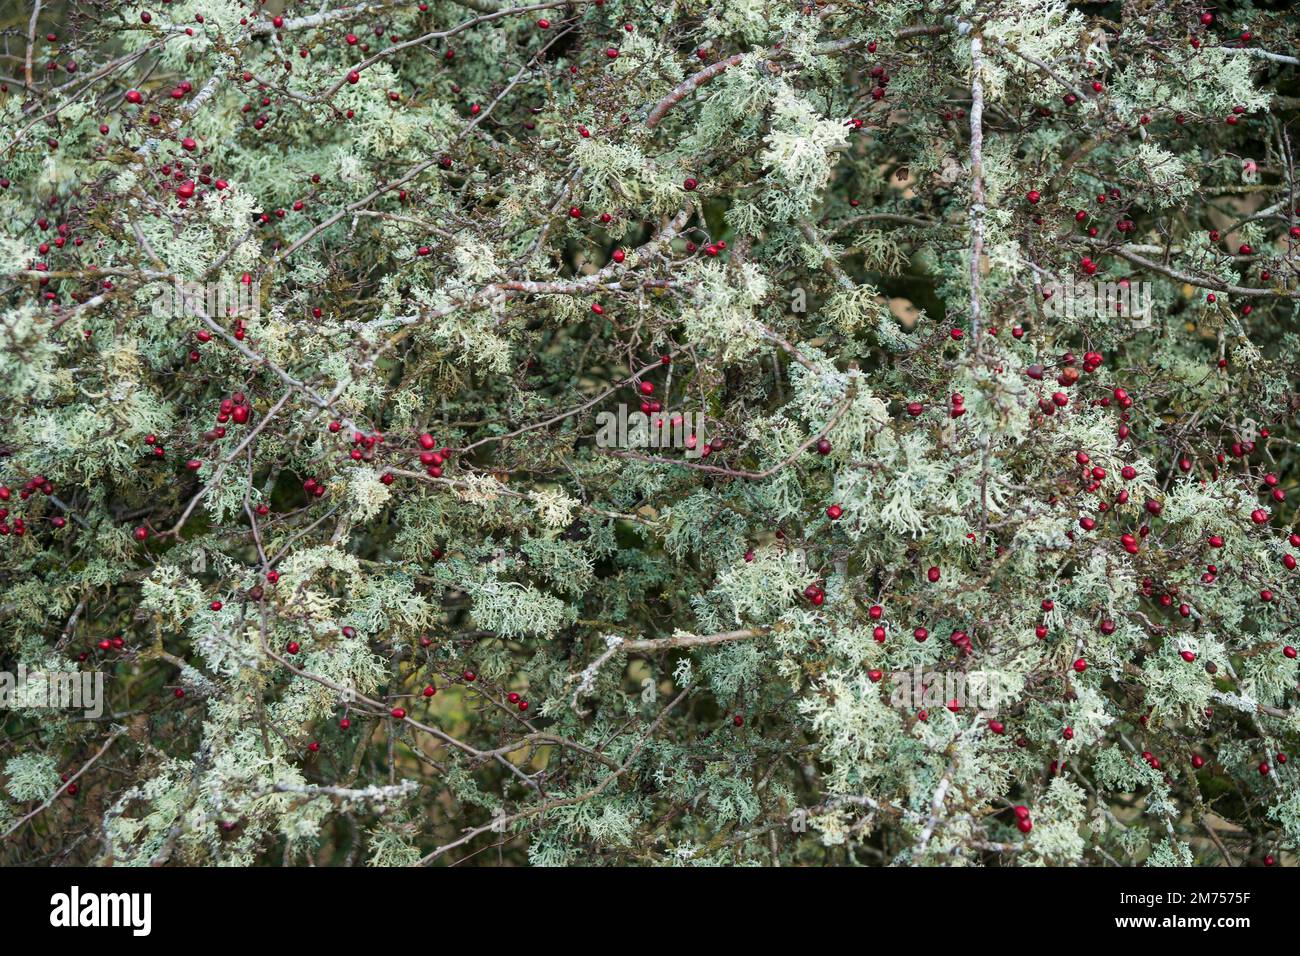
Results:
[970, 330]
